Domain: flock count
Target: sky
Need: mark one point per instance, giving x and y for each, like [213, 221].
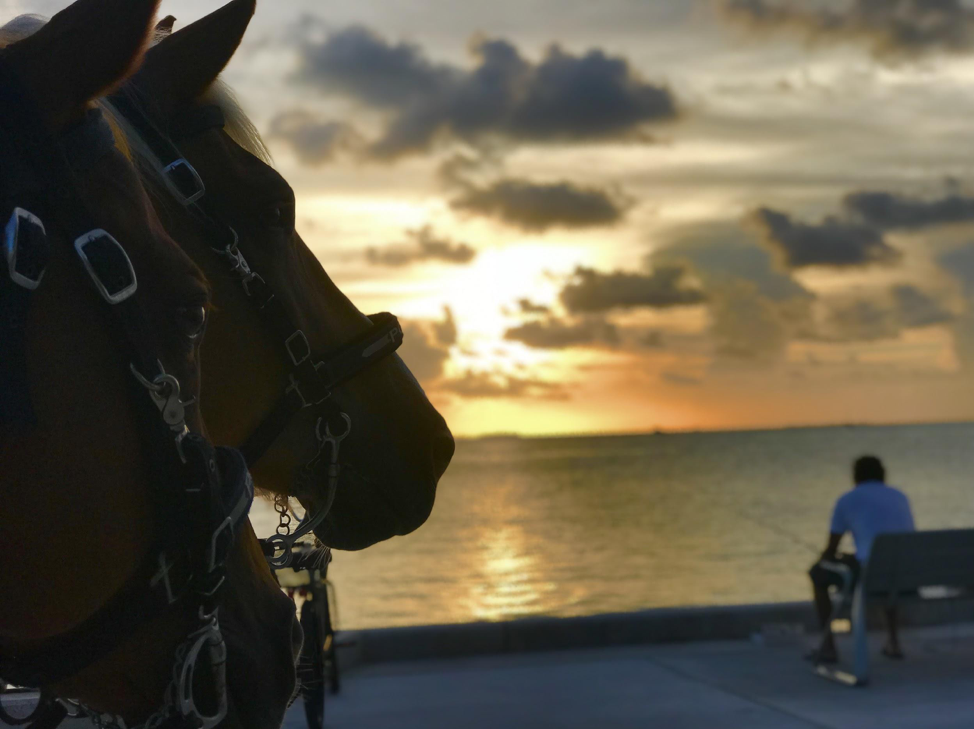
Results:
[637, 215]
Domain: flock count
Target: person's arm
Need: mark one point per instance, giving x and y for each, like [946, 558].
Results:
[833, 546]
[839, 527]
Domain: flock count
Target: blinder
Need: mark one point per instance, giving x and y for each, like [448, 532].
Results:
[201, 494]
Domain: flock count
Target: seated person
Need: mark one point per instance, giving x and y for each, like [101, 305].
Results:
[869, 509]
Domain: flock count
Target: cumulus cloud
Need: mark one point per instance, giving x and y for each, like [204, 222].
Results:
[666, 286]
[746, 325]
[492, 385]
[833, 242]
[889, 211]
[556, 334]
[526, 306]
[916, 308]
[889, 28]
[878, 317]
[425, 246]
[503, 95]
[536, 207]
[426, 346]
[315, 141]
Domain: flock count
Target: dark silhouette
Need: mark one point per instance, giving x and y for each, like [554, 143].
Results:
[869, 509]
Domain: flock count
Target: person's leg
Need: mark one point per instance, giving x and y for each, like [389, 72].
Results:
[821, 579]
[892, 648]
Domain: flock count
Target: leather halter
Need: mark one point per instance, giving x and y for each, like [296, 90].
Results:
[312, 378]
[200, 494]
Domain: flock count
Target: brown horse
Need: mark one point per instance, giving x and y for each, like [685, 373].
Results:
[78, 486]
[399, 444]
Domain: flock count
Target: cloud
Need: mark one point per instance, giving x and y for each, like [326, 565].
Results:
[446, 330]
[723, 252]
[526, 306]
[746, 325]
[561, 98]
[683, 380]
[915, 308]
[556, 334]
[874, 318]
[313, 140]
[591, 291]
[425, 247]
[426, 346]
[889, 28]
[490, 385]
[833, 242]
[536, 207]
[889, 211]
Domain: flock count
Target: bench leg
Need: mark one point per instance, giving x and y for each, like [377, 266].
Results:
[861, 637]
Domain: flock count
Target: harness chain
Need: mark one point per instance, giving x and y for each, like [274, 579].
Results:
[42, 173]
[310, 382]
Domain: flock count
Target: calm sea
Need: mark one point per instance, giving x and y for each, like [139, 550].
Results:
[575, 526]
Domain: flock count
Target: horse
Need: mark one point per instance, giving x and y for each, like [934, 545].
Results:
[399, 445]
[134, 583]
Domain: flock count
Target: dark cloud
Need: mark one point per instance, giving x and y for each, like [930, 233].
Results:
[888, 211]
[591, 291]
[915, 308]
[556, 334]
[426, 346]
[879, 317]
[833, 242]
[446, 330]
[526, 306]
[745, 325]
[724, 252]
[563, 97]
[889, 28]
[425, 246]
[489, 385]
[314, 141]
[536, 207]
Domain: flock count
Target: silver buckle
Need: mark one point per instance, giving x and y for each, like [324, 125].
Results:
[306, 355]
[10, 244]
[111, 297]
[169, 171]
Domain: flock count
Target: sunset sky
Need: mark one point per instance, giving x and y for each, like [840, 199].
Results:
[629, 215]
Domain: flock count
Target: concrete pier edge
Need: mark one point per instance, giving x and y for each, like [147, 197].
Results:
[664, 625]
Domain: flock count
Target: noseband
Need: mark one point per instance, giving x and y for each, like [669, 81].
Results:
[312, 379]
[199, 494]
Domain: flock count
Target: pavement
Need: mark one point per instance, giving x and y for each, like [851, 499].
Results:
[756, 684]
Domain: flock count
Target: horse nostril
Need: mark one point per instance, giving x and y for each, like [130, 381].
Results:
[442, 448]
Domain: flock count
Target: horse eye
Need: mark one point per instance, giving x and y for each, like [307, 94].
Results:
[280, 216]
[192, 321]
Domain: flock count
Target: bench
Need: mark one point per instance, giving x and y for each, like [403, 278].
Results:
[899, 566]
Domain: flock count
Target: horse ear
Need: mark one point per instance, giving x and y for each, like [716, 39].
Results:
[86, 50]
[184, 65]
[164, 26]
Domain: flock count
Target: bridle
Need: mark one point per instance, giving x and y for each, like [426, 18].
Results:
[200, 494]
[312, 378]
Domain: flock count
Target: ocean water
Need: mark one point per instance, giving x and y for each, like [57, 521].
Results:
[577, 526]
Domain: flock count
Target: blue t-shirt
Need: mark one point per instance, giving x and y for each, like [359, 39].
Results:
[871, 508]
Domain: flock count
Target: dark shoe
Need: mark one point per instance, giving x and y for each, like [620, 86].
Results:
[820, 657]
[893, 652]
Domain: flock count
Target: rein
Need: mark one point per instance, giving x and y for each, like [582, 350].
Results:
[312, 378]
[200, 494]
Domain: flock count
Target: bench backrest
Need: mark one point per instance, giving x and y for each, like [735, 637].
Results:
[921, 559]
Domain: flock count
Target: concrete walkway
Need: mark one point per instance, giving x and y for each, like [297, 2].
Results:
[716, 685]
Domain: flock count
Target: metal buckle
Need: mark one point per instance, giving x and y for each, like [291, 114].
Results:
[181, 172]
[114, 292]
[302, 356]
[11, 241]
[163, 576]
